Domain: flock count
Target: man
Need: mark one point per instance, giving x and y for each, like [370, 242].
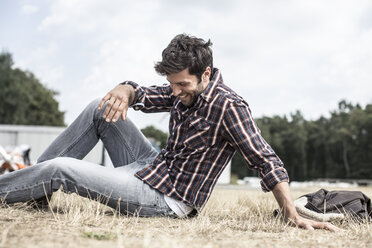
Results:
[208, 123]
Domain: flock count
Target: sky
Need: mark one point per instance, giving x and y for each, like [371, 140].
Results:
[279, 55]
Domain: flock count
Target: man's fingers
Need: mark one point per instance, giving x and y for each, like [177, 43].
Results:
[332, 228]
[321, 225]
[304, 224]
[104, 99]
[116, 101]
[309, 227]
[109, 105]
[114, 109]
[124, 114]
[326, 225]
[119, 111]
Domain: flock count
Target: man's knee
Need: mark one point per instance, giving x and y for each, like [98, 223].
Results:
[95, 103]
[93, 107]
[58, 164]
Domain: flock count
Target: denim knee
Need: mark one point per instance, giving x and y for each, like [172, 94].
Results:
[57, 165]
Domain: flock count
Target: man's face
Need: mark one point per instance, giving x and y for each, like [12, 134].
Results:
[187, 87]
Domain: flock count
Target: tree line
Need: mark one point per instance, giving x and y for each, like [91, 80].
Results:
[24, 100]
[339, 146]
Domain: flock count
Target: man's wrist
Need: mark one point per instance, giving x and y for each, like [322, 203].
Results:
[131, 94]
[291, 214]
[133, 89]
[284, 199]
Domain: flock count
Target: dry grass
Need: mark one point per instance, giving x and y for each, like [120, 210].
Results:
[232, 218]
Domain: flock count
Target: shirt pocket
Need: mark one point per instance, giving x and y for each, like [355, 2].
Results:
[198, 134]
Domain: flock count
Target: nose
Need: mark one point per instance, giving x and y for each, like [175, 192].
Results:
[176, 90]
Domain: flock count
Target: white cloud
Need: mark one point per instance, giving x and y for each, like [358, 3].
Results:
[279, 55]
[38, 60]
[299, 55]
[28, 9]
[84, 16]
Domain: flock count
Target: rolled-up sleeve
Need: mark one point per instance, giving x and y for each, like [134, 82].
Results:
[152, 99]
[243, 134]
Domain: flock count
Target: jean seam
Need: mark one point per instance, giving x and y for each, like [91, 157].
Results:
[116, 130]
[26, 187]
[76, 141]
[155, 208]
[110, 197]
[127, 146]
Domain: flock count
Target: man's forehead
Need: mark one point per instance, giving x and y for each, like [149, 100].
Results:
[181, 77]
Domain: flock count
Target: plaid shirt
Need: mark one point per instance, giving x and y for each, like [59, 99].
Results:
[202, 140]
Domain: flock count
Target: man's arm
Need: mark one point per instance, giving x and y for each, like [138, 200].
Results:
[283, 197]
[119, 99]
[243, 134]
[151, 99]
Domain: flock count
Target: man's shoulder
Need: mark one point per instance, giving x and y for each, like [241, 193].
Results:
[225, 94]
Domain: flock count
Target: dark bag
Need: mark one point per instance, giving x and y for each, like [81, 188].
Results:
[353, 203]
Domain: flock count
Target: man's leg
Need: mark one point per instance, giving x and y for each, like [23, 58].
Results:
[122, 139]
[125, 144]
[116, 187]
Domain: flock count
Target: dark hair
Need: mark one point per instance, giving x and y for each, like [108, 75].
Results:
[183, 52]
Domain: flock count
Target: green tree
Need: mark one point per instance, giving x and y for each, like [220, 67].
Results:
[318, 154]
[287, 137]
[240, 169]
[23, 99]
[336, 147]
[343, 132]
[158, 135]
[294, 143]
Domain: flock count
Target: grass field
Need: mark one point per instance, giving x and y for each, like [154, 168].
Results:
[232, 218]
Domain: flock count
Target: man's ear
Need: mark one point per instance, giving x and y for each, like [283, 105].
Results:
[207, 74]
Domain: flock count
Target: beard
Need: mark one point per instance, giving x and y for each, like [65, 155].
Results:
[189, 98]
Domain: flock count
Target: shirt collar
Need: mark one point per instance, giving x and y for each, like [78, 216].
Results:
[207, 94]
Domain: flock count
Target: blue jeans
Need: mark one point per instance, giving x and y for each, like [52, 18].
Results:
[61, 165]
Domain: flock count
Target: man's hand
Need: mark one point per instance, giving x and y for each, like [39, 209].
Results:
[283, 197]
[311, 225]
[119, 99]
